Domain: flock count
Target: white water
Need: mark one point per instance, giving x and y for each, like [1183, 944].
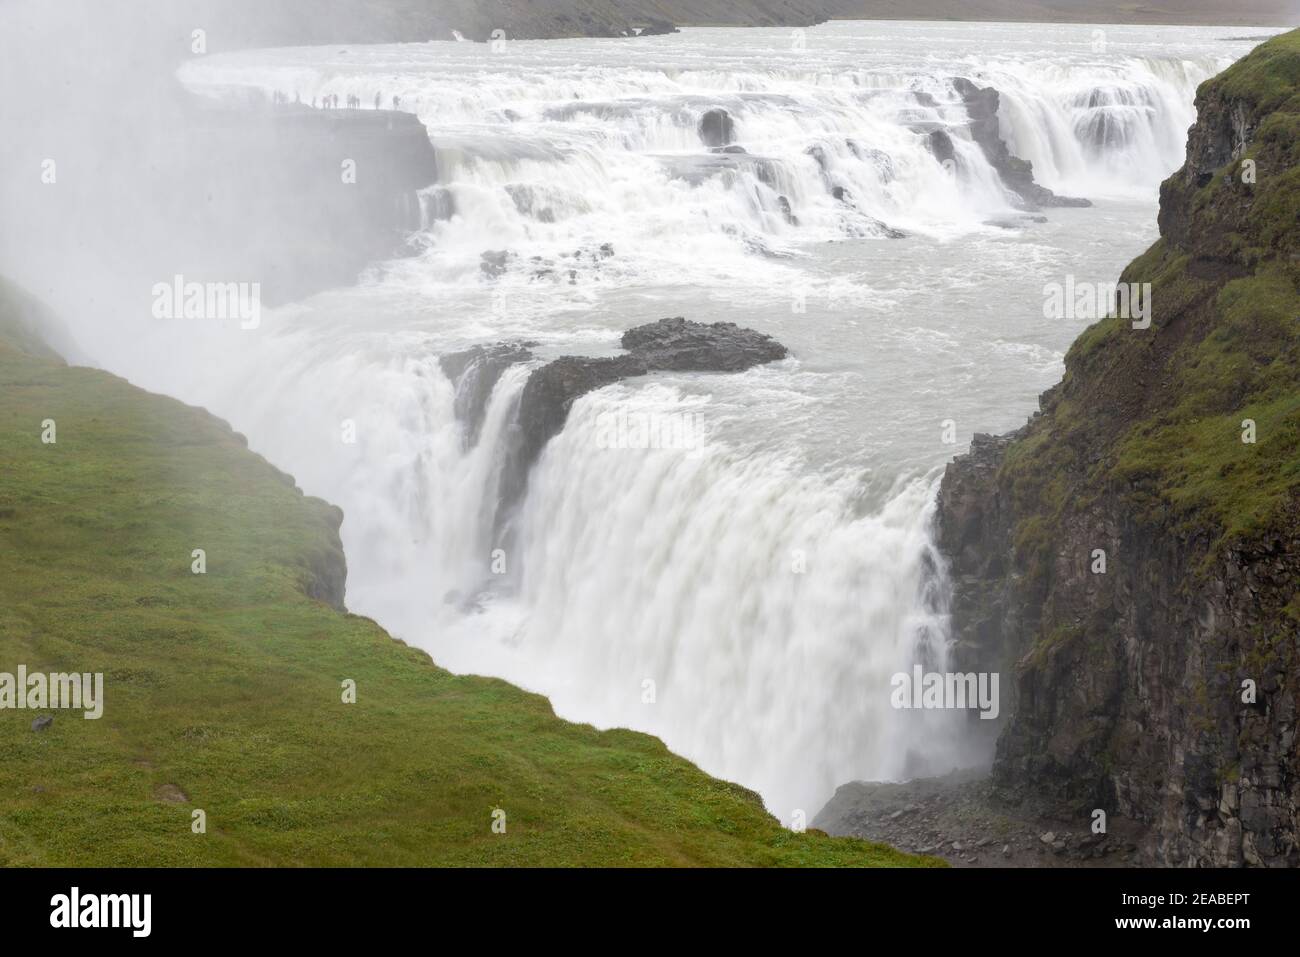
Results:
[679, 567]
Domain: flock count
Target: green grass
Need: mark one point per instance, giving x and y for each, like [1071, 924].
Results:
[1191, 458]
[1269, 76]
[1155, 417]
[226, 687]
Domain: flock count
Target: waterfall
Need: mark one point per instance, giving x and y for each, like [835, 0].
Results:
[748, 597]
[1105, 129]
[764, 611]
[542, 156]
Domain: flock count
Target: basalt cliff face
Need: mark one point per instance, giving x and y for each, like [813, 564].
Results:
[1130, 559]
[297, 198]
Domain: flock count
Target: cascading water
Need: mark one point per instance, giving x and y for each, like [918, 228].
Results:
[722, 582]
[748, 594]
[1101, 128]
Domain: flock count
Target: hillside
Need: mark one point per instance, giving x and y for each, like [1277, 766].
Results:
[305, 22]
[1164, 686]
[223, 691]
[283, 21]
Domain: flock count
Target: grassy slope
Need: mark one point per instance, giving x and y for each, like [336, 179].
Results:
[1155, 417]
[227, 685]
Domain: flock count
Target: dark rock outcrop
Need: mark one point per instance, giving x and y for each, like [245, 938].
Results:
[669, 345]
[474, 373]
[1017, 174]
[974, 534]
[679, 346]
[940, 144]
[1128, 560]
[547, 398]
[1223, 130]
[717, 129]
[324, 574]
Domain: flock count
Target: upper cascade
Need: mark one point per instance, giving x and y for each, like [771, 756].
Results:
[676, 165]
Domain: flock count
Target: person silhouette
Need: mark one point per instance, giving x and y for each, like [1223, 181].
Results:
[378, 100]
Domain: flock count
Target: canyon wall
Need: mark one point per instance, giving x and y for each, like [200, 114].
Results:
[1129, 560]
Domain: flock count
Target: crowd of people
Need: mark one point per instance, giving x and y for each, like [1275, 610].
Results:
[331, 101]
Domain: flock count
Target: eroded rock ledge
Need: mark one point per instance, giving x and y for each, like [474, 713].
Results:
[669, 345]
[1017, 174]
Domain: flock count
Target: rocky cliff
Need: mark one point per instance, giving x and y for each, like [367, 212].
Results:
[298, 198]
[1130, 559]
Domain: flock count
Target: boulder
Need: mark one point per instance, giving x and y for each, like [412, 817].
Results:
[681, 346]
[717, 129]
[494, 262]
[940, 144]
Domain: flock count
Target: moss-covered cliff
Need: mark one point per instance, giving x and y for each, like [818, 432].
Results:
[1175, 450]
